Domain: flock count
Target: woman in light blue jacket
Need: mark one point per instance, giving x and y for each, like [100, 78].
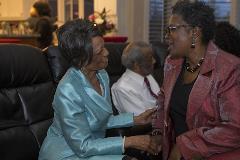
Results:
[82, 104]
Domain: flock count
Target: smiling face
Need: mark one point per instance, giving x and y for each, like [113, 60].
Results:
[178, 36]
[100, 55]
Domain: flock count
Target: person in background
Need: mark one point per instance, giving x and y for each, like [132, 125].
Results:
[227, 37]
[199, 104]
[136, 90]
[82, 103]
[41, 22]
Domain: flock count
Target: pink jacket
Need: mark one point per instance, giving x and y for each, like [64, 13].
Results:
[213, 111]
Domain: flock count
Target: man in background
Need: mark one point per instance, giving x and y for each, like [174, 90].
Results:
[136, 90]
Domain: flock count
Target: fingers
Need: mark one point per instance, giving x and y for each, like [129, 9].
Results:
[150, 111]
[151, 146]
[157, 139]
[155, 147]
[145, 143]
[145, 117]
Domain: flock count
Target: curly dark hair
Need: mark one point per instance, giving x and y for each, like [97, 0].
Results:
[197, 14]
[42, 8]
[227, 37]
[75, 41]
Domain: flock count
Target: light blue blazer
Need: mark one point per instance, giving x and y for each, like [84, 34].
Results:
[81, 117]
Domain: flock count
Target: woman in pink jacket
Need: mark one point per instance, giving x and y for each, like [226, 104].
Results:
[199, 103]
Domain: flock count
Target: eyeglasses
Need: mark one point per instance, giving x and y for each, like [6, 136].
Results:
[170, 29]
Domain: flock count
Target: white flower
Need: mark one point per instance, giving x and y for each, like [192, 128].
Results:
[99, 20]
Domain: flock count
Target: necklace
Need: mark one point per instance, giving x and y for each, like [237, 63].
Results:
[193, 69]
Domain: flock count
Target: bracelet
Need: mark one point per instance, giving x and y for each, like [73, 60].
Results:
[156, 132]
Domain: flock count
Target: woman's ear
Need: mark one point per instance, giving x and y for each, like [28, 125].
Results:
[196, 32]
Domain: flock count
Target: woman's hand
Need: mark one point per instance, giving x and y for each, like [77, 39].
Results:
[175, 153]
[145, 117]
[143, 142]
[157, 139]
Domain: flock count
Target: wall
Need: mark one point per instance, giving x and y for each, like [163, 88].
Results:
[15, 9]
[133, 19]
[110, 6]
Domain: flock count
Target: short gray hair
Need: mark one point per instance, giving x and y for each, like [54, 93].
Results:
[133, 53]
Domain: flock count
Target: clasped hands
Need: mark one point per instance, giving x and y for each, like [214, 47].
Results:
[148, 143]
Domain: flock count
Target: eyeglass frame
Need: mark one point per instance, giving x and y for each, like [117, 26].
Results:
[171, 28]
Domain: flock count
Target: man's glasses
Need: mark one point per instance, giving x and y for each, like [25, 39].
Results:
[170, 29]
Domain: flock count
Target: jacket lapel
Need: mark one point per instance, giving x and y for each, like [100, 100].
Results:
[102, 102]
[203, 84]
[172, 70]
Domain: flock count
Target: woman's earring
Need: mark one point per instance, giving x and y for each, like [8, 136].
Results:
[193, 43]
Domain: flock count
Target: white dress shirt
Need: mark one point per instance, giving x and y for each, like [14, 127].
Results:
[130, 93]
